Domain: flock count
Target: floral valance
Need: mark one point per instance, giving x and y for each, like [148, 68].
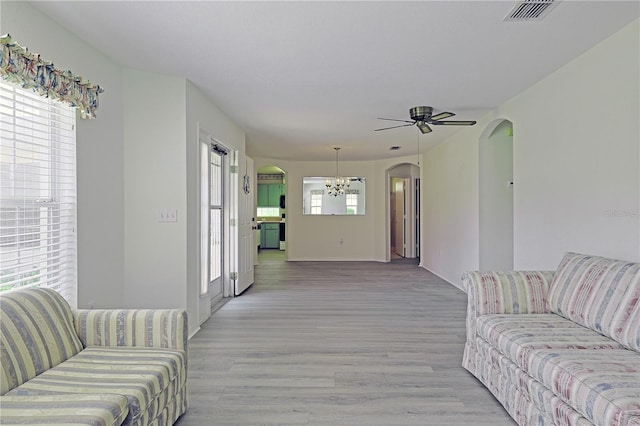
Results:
[27, 69]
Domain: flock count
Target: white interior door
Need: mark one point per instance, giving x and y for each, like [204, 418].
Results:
[246, 221]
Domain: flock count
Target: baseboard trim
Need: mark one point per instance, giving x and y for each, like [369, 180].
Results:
[193, 333]
[459, 287]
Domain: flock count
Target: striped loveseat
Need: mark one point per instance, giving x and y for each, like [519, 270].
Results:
[90, 367]
[559, 348]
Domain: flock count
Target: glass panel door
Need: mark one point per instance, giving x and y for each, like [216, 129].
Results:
[215, 216]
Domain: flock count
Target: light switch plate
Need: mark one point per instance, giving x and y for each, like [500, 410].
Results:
[168, 216]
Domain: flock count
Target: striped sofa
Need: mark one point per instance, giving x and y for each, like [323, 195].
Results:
[90, 367]
[559, 348]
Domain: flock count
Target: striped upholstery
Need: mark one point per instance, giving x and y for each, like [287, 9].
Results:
[134, 357]
[147, 377]
[573, 359]
[525, 399]
[160, 328]
[517, 336]
[604, 386]
[512, 292]
[599, 293]
[94, 410]
[36, 334]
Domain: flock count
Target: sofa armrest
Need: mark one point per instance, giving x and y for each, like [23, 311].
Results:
[159, 328]
[510, 292]
[77, 409]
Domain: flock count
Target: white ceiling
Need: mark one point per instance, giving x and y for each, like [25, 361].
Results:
[303, 77]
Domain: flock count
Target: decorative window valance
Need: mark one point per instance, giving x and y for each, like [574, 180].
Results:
[19, 66]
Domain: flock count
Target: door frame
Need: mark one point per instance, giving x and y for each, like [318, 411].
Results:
[207, 300]
[411, 173]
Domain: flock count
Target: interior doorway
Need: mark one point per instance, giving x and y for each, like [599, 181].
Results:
[398, 203]
[404, 212]
[271, 210]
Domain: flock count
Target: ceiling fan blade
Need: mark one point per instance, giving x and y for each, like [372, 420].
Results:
[453, 123]
[393, 119]
[441, 116]
[424, 127]
[394, 127]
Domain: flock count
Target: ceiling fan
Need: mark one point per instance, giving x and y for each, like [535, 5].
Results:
[421, 117]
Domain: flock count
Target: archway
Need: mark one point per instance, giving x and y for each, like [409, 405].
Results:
[404, 212]
[271, 209]
[496, 196]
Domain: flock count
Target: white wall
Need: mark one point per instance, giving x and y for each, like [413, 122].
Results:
[576, 168]
[576, 157]
[155, 179]
[496, 197]
[450, 188]
[100, 148]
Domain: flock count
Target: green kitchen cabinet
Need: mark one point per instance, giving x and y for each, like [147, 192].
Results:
[275, 191]
[263, 195]
[269, 194]
[270, 235]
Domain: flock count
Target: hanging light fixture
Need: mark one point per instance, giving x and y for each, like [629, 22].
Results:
[338, 185]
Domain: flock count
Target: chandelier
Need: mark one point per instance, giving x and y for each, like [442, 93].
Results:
[338, 185]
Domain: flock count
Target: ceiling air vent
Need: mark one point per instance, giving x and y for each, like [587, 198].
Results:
[530, 10]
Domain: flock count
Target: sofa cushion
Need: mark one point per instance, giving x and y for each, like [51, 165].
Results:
[147, 377]
[603, 385]
[523, 397]
[36, 334]
[94, 410]
[517, 335]
[599, 293]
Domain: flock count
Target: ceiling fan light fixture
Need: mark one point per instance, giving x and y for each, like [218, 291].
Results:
[420, 113]
[421, 117]
[424, 127]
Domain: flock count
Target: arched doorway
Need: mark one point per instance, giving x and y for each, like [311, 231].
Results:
[404, 211]
[271, 211]
[496, 196]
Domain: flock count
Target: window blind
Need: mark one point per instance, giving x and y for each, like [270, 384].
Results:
[38, 245]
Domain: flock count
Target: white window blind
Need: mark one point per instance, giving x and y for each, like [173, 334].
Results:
[38, 193]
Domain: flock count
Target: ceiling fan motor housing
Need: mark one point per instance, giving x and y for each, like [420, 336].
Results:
[420, 113]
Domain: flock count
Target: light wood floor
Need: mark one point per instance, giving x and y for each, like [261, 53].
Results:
[337, 343]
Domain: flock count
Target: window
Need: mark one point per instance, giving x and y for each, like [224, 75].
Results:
[316, 201]
[352, 203]
[268, 211]
[38, 245]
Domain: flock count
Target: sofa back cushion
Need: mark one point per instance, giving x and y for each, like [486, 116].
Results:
[36, 334]
[599, 293]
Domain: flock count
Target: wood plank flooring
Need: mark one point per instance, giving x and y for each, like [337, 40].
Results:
[337, 343]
